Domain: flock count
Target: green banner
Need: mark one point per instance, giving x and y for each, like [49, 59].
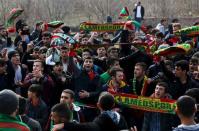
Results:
[189, 31]
[101, 27]
[145, 103]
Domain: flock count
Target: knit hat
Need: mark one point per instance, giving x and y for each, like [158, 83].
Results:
[12, 53]
[9, 102]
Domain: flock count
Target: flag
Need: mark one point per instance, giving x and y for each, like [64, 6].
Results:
[55, 24]
[124, 12]
[14, 13]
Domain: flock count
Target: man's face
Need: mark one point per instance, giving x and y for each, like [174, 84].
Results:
[84, 41]
[179, 72]
[64, 53]
[55, 118]
[113, 54]
[46, 40]
[159, 91]
[16, 59]
[88, 64]
[164, 23]
[37, 66]
[119, 76]
[138, 72]
[42, 56]
[116, 64]
[3, 32]
[38, 28]
[31, 95]
[58, 69]
[193, 67]
[85, 55]
[101, 52]
[176, 27]
[66, 98]
[106, 36]
[131, 37]
[36, 54]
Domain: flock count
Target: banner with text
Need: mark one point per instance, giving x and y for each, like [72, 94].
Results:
[145, 103]
[101, 27]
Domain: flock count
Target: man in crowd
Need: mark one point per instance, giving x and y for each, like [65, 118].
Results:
[8, 111]
[5, 40]
[111, 62]
[186, 109]
[179, 82]
[67, 97]
[5, 83]
[116, 83]
[108, 120]
[86, 85]
[38, 77]
[139, 83]
[139, 13]
[33, 124]
[154, 120]
[36, 107]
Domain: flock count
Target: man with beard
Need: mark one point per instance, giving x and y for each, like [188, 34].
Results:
[116, 84]
[140, 80]
[46, 39]
[5, 40]
[64, 58]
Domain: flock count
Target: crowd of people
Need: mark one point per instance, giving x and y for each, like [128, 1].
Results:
[48, 83]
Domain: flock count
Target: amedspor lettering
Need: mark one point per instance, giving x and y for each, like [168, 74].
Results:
[134, 101]
[117, 27]
[110, 27]
[140, 102]
[145, 103]
[94, 27]
[118, 99]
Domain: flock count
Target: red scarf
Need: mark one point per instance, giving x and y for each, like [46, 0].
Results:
[91, 74]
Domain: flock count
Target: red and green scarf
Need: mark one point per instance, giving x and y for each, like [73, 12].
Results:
[8, 123]
[144, 86]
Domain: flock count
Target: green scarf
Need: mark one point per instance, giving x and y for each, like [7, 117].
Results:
[8, 123]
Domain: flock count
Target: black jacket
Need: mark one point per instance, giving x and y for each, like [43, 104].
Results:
[107, 124]
[101, 123]
[11, 76]
[83, 82]
[176, 88]
[142, 11]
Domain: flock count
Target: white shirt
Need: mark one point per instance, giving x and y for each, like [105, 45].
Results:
[161, 28]
[65, 67]
[138, 14]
